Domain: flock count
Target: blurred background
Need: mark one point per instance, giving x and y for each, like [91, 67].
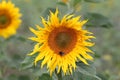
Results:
[104, 16]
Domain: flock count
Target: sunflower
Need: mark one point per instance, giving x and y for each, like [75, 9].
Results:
[61, 43]
[9, 18]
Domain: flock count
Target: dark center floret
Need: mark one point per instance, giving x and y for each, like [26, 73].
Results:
[4, 19]
[62, 40]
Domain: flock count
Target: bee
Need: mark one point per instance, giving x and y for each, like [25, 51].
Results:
[61, 53]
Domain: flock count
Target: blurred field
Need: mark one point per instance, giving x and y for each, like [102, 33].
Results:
[107, 48]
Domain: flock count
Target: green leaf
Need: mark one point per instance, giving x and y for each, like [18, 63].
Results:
[47, 12]
[103, 76]
[3, 56]
[21, 38]
[23, 77]
[12, 77]
[97, 20]
[28, 62]
[61, 3]
[76, 2]
[86, 69]
[0, 73]
[45, 76]
[94, 1]
[80, 76]
[16, 37]
[68, 77]
[85, 72]
[40, 71]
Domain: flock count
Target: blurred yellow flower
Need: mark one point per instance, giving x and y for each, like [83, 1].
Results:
[9, 19]
[61, 43]
[107, 57]
[65, 1]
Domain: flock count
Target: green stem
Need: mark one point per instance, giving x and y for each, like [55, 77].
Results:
[59, 75]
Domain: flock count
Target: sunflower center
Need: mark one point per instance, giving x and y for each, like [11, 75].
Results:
[4, 19]
[62, 40]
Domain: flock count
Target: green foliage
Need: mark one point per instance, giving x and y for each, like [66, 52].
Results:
[61, 3]
[24, 77]
[94, 1]
[97, 20]
[75, 2]
[85, 77]
[28, 62]
[85, 72]
[47, 12]
[86, 69]
[45, 77]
